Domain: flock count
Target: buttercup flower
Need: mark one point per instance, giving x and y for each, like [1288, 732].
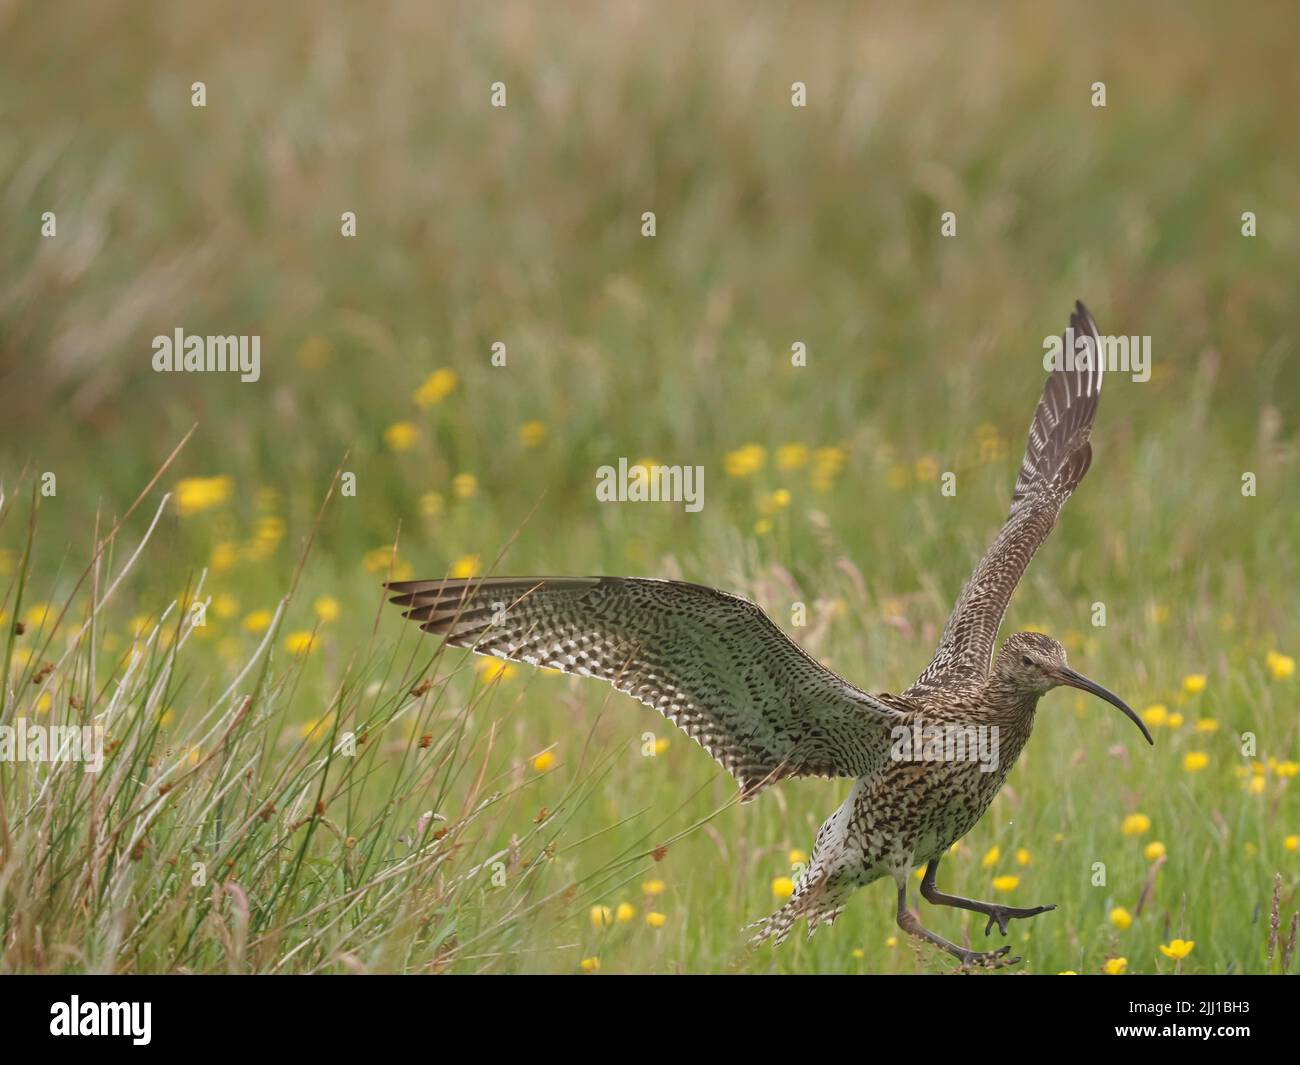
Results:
[401, 436]
[1135, 824]
[197, 494]
[531, 434]
[436, 387]
[258, 620]
[744, 461]
[326, 607]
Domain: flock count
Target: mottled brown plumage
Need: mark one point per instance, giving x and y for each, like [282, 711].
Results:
[926, 763]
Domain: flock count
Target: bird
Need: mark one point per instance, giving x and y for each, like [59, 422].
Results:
[925, 763]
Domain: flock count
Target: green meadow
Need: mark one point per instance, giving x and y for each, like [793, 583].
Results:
[295, 780]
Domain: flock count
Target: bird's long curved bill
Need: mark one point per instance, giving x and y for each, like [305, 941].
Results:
[1078, 680]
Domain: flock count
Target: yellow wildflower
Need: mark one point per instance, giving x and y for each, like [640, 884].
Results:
[1194, 683]
[1115, 966]
[436, 387]
[797, 857]
[489, 669]
[464, 485]
[1121, 918]
[792, 456]
[1135, 824]
[544, 761]
[299, 643]
[1156, 715]
[991, 857]
[224, 556]
[625, 912]
[531, 434]
[1292, 843]
[378, 559]
[1178, 949]
[1006, 883]
[432, 504]
[258, 620]
[1022, 857]
[655, 920]
[326, 607]
[1195, 761]
[35, 616]
[197, 494]
[1280, 666]
[653, 887]
[465, 566]
[782, 887]
[827, 462]
[744, 461]
[1153, 850]
[590, 965]
[1207, 724]
[602, 916]
[401, 436]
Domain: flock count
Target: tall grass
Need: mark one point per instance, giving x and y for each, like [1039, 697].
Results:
[522, 225]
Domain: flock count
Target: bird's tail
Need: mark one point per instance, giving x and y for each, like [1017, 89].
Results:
[819, 899]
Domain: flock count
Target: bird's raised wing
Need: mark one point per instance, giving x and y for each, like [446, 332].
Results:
[712, 663]
[1056, 458]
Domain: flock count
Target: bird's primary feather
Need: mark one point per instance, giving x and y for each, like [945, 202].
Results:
[712, 663]
[1057, 455]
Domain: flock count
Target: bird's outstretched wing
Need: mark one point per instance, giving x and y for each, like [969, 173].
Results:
[712, 663]
[1056, 458]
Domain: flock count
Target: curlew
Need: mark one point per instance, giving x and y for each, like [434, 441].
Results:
[925, 763]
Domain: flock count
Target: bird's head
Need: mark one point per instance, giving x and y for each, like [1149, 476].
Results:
[1033, 664]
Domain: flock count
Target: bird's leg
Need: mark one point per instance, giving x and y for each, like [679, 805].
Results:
[911, 924]
[992, 910]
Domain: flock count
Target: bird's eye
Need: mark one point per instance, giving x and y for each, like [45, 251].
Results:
[1027, 661]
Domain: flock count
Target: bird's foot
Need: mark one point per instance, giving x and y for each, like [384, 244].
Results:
[986, 959]
[1002, 914]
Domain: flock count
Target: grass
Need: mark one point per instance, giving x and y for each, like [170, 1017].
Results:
[234, 828]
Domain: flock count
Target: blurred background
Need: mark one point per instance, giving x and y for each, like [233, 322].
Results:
[774, 224]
